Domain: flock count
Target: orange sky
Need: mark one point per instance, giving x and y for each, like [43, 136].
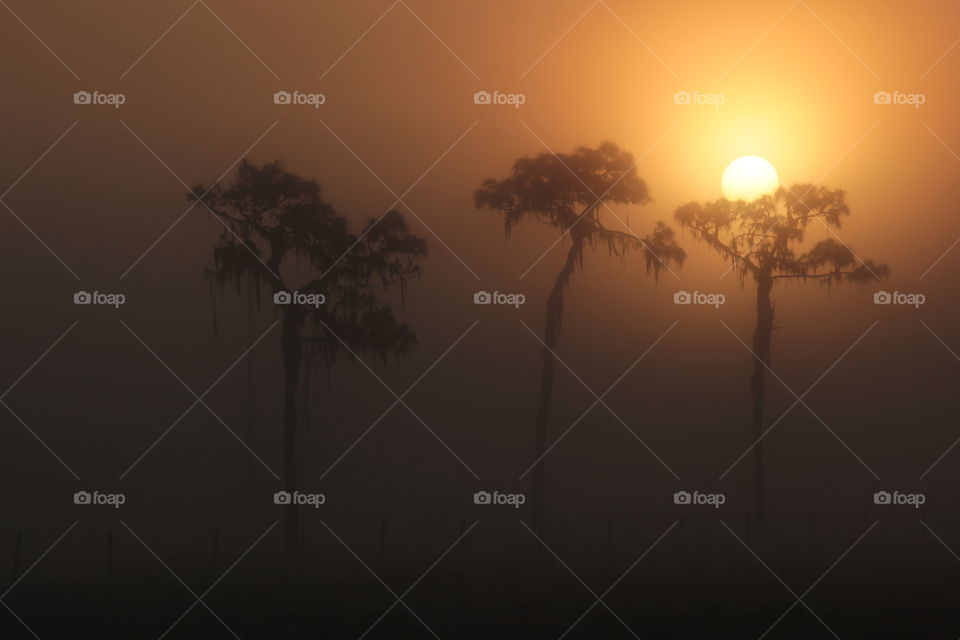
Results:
[798, 80]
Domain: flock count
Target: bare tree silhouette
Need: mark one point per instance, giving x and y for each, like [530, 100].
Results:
[569, 192]
[277, 228]
[762, 239]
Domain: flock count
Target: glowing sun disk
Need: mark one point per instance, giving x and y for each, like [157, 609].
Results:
[748, 178]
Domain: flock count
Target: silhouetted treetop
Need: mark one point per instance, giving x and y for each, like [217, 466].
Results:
[763, 235]
[570, 191]
[552, 187]
[277, 222]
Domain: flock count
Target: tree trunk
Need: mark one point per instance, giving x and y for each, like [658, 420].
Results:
[761, 347]
[290, 343]
[551, 337]
[250, 400]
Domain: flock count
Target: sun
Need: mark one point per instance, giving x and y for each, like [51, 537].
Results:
[748, 178]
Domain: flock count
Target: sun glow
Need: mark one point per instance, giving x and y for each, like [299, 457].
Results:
[748, 178]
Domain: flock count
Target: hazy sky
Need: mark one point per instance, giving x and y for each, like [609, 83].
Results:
[798, 83]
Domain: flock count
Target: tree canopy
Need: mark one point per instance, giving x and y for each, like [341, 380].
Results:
[764, 236]
[277, 225]
[570, 193]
